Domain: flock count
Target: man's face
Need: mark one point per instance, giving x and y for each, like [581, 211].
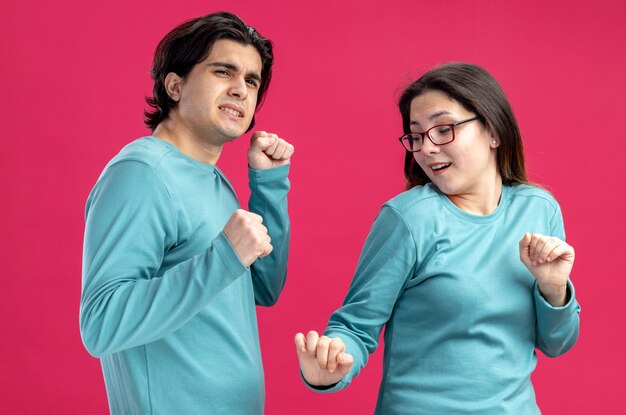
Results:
[218, 97]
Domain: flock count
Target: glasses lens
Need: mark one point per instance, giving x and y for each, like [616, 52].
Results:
[412, 142]
[442, 134]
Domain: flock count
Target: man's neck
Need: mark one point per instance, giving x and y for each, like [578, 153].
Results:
[187, 142]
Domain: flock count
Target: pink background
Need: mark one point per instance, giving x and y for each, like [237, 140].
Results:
[74, 77]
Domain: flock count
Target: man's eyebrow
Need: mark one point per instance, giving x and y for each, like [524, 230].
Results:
[433, 116]
[235, 68]
[224, 65]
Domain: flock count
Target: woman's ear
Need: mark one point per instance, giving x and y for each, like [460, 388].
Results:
[495, 143]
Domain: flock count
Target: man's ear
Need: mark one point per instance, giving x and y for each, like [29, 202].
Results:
[173, 86]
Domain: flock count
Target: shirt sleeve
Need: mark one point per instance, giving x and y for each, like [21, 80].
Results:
[268, 199]
[557, 327]
[127, 300]
[386, 264]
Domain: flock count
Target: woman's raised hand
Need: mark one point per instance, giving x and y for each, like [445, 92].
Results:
[323, 361]
[550, 260]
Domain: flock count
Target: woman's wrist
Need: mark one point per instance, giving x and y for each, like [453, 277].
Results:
[555, 296]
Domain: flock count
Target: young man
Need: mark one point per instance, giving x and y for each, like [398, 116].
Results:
[172, 268]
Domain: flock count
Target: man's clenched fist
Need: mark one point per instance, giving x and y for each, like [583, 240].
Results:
[267, 150]
[248, 236]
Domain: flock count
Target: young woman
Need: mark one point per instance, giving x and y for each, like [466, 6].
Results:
[467, 270]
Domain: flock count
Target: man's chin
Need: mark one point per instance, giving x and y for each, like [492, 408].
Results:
[230, 134]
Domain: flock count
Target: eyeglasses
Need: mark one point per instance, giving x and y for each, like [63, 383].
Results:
[438, 135]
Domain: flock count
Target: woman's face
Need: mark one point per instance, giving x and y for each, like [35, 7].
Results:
[465, 166]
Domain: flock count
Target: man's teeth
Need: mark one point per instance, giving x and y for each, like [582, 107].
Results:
[231, 111]
[440, 166]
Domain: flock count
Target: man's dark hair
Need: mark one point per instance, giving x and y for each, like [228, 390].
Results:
[190, 43]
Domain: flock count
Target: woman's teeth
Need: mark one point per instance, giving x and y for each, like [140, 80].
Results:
[440, 166]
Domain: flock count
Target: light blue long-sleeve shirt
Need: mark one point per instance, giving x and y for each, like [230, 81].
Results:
[463, 315]
[166, 302]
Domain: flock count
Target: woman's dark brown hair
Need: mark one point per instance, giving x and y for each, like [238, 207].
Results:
[476, 90]
[189, 44]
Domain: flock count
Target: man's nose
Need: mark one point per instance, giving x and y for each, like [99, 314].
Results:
[238, 88]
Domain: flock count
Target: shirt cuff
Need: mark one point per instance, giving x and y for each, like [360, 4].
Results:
[227, 254]
[542, 304]
[267, 175]
[325, 389]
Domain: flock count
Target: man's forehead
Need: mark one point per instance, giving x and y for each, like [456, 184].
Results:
[243, 57]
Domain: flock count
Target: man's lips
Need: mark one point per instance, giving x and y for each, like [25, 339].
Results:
[232, 110]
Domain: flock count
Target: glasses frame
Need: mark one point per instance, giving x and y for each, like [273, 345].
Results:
[427, 134]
